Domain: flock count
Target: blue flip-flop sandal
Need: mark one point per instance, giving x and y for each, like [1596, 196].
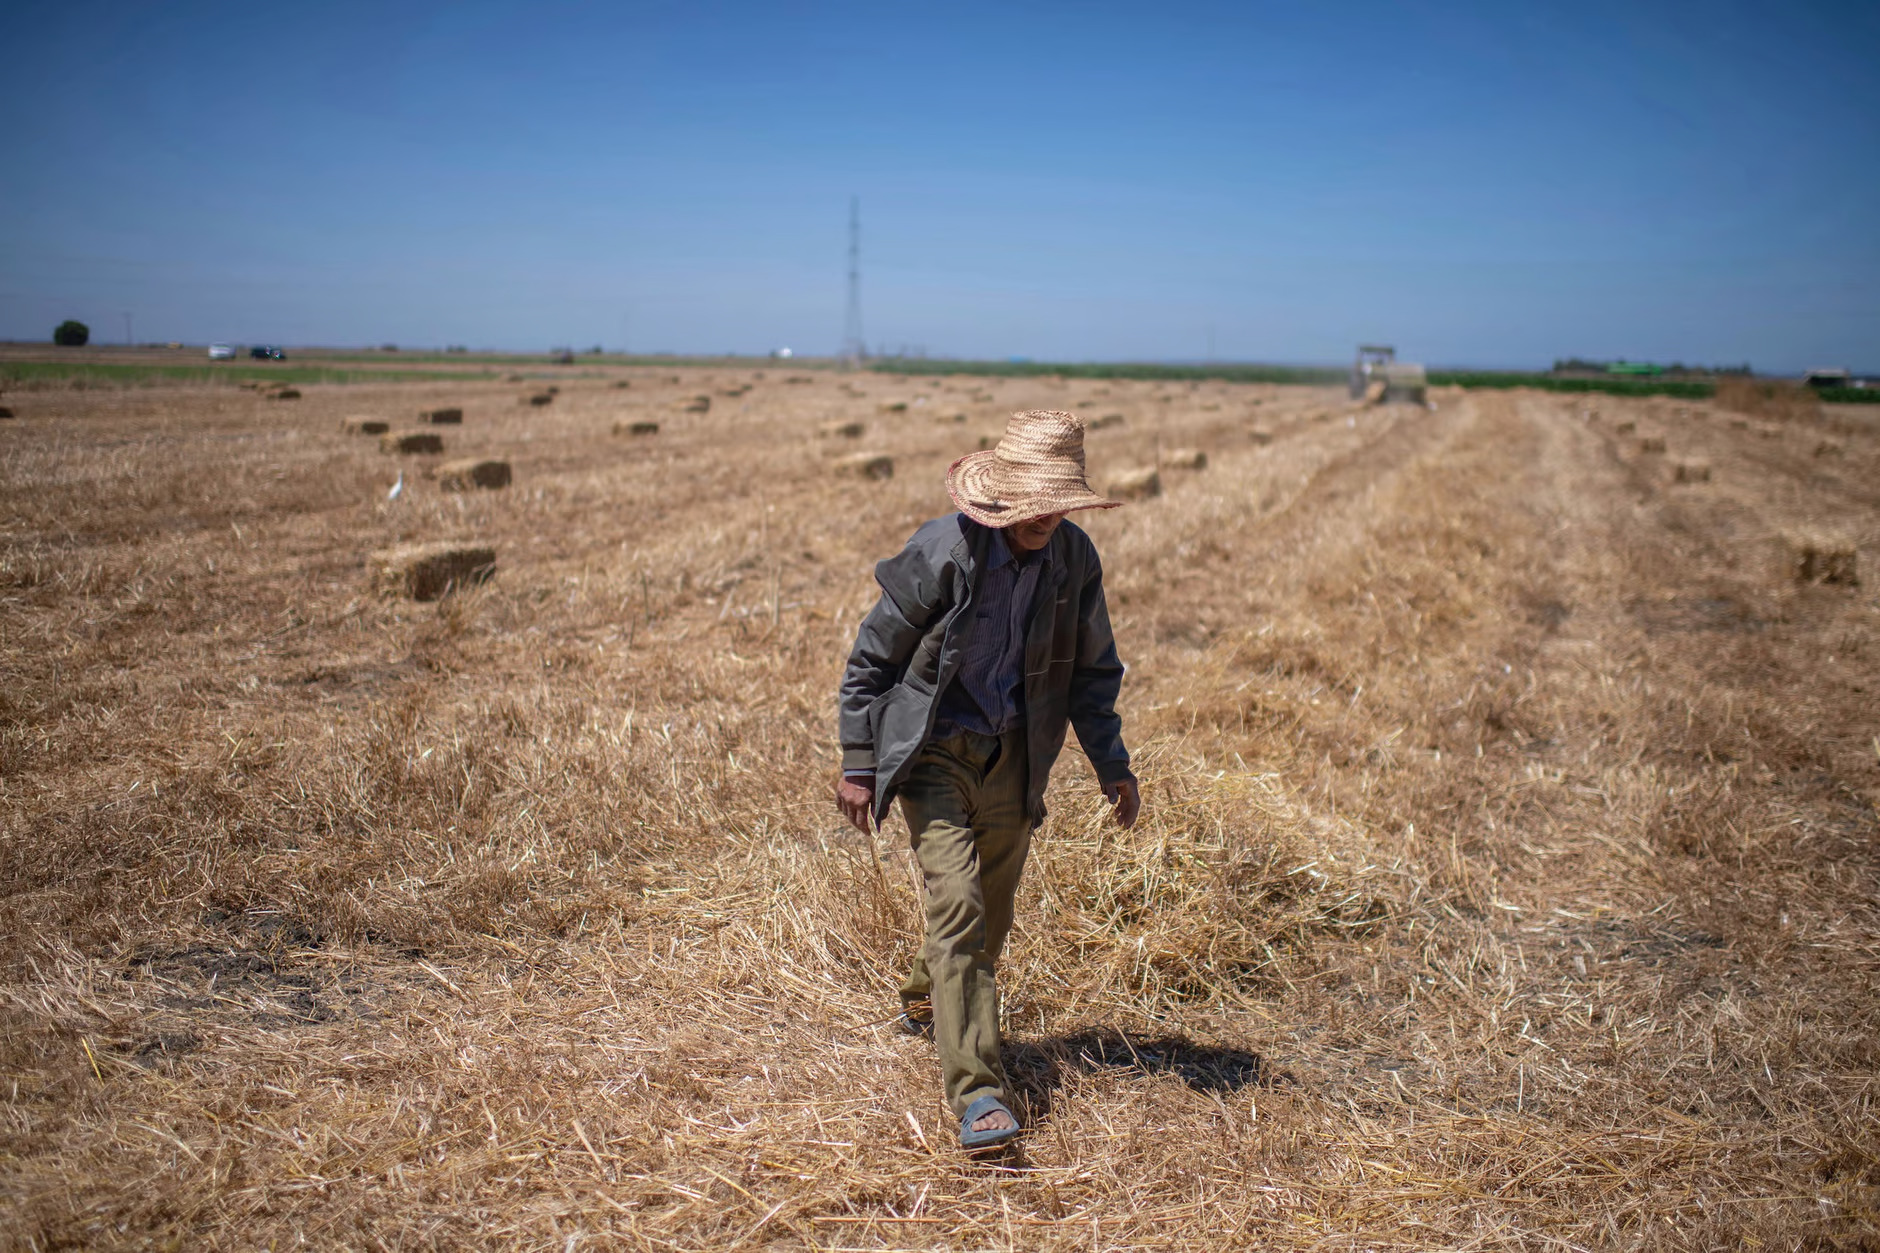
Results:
[970, 1139]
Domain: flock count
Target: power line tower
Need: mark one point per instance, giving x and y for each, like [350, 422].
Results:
[854, 347]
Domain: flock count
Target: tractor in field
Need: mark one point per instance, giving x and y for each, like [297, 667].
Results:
[1378, 378]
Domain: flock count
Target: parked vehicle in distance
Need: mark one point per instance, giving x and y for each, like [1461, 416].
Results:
[265, 352]
[221, 352]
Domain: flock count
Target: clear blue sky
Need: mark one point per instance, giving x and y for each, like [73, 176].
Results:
[1493, 184]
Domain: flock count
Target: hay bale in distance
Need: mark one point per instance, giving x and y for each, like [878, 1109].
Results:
[841, 430]
[411, 442]
[361, 425]
[894, 406]
[1651, 443]
[1135, 484]
[699, 404]
[285, 393]
[1625, 428]
[1185, 459]
[1260, 436]
[1824, 559]
[1828, 448]
[636, 428]
[442, 417]
[1104, 422]
[428, 571]
[5, 412]
[472, 473]
[866, 465]
[1691, 472]
[623, 383]
[539, 398]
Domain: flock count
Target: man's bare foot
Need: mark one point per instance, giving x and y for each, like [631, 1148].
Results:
[987, 1122]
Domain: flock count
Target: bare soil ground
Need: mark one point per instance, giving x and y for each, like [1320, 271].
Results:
[1507, 876]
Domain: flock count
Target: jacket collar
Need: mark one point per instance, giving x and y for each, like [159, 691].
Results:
[989, 550]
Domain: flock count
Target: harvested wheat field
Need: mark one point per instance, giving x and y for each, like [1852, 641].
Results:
[1506, 878]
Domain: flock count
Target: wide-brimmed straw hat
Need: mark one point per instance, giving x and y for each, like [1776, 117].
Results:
[1037, 469]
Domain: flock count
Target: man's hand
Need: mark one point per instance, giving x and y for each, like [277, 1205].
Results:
[1125, 795]
[855, 797]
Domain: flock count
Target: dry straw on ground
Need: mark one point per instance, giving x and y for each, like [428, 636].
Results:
[1766, 398]
[1506, 880]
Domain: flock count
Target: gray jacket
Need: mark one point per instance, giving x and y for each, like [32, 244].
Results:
[909, 648]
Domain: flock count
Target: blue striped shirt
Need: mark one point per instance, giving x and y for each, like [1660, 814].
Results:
[988, 693]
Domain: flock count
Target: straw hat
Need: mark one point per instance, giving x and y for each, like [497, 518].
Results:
[1037, 469]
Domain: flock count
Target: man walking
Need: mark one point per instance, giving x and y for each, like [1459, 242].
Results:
[990, 637]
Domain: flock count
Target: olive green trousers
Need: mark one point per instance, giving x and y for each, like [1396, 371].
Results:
[964, 801]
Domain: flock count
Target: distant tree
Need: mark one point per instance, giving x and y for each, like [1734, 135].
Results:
[71, 334]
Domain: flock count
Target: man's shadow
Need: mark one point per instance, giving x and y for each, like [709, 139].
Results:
[1038, 1068]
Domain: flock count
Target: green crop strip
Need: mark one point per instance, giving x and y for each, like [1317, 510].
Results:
[1554, 383]
[1119, 370]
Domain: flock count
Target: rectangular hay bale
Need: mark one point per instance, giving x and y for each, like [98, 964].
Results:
[473, 472]
[361, 425]
[1259, 436]
[1831, 559]
[841, 430]
[539, 398]
[429, 571]
[1691, 472]
[442, 417]
[1185, 459]
[866, 465]
[636, 428]
[411, 442]
[1651, 443]
[1135, 484]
